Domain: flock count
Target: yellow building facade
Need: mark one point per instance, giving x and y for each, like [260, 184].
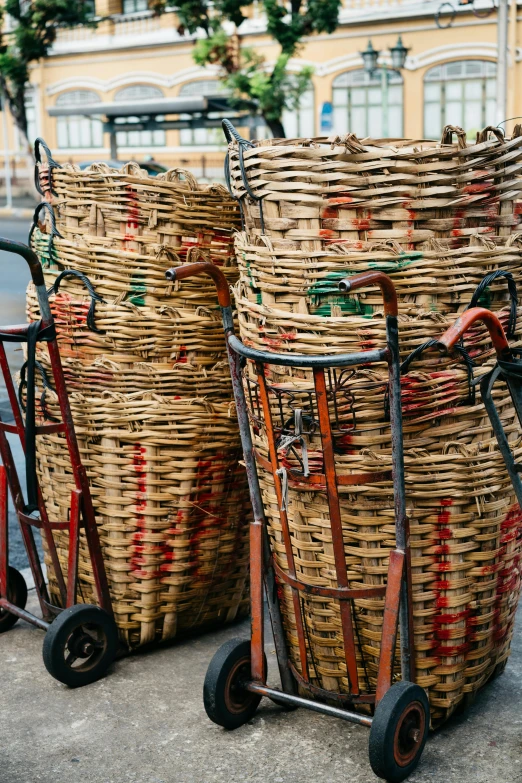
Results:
[449, 77]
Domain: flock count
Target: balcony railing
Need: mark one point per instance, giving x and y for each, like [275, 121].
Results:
[136, 24]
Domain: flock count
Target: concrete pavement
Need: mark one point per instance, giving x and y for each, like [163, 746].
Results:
[145, 723]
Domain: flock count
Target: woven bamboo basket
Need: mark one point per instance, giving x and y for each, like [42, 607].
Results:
[437, 218]
[171, 503]
[146, 370]
[123, 335]
[319, 191]
[465, 522]
[137, 210]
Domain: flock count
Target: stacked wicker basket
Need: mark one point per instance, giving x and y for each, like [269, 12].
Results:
[146, 369]
[437, 218]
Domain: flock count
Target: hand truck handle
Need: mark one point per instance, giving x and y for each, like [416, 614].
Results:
[29, 255]
[36, 274]
[384, 282]
[452, 335]
[203, 268]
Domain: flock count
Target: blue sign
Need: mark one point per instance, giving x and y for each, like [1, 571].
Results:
[326, 117]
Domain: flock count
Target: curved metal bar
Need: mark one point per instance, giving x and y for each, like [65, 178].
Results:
[452, 335]
[37, 275]
[302, 360]
[384, 282]
[203, 268]
[29, 255]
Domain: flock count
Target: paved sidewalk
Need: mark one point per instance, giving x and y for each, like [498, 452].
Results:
[145, 723]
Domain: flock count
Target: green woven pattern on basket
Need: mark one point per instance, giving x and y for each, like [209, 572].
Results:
[324, 294]
[138, 285]
[402, 261]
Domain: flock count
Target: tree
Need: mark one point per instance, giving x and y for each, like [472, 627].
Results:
[245, 72]
[34, 31]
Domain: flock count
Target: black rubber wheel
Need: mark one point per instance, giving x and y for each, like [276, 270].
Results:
[17, 594]
[80, 645]
[226, 701]
[399, 731]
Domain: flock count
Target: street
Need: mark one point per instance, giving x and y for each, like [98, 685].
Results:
[14, 277]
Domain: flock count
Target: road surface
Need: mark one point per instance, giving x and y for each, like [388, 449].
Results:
[14, 277]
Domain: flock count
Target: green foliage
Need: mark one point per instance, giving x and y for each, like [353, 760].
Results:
[33, 35]
[243, 71]
[314, 16]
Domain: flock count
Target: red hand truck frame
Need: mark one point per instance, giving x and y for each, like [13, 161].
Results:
[81, 639]
[236, 678]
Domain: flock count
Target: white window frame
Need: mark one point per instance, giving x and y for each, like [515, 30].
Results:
[140, 139]
[441, 75]
[77, 131]
[358, 80]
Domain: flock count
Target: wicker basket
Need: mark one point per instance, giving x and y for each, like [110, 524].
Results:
[137, 210]
[319, 191]
[124, 336]
[145, 365]
[426, 230]
[171, 503]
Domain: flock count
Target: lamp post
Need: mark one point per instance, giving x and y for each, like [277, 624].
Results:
[7, 162]
[370, 57]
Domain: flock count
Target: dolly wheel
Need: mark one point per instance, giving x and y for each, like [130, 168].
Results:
[80, 645]
[399, 731]
[226, 700]
[17, 594]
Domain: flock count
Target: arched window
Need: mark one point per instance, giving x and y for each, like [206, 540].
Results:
[190, 137]
[460, 93]
[358, 102]
[139, 138]
[76, 131]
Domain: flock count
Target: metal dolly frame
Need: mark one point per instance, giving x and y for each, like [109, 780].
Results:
[508, 368]
[81, 639]
[236, 677]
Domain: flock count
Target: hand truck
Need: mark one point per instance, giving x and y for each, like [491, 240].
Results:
[236, 677]
[508, 368]
[81, 639]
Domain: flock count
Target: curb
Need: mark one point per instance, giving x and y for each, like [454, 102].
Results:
[16, 212]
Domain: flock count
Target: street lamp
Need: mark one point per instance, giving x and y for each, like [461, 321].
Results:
[399, 52]
[370, 56]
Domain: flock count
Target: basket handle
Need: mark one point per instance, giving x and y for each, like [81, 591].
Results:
[231, 133]
[40, 144]
[452, 335]
[173, 175]
[90, 288]
[242, 144]
[44, 206]
[384, 282]
[512, 288]
[483, 134]
[447, 135]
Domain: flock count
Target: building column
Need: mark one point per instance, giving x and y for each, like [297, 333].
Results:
[108, 7]
[105, 9]
[413, 104]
